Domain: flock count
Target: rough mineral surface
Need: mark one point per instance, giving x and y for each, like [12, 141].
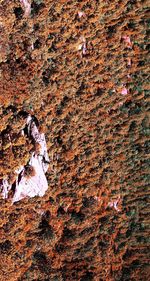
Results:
[81, 68]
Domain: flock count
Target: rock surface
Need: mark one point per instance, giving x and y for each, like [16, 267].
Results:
[81, 68]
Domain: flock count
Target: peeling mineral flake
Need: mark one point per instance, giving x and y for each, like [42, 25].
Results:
[97, 198]
[40, 139]
[29, 119]
[4, 188]
[114, 204]
[32, 46]
[27, 7]
[83, 46]
[81, 14]
[22, 132]
[129, 76]
[31, 180]
[127, 40]
[80, 47]
[33, 186]
[19, 170]
[84, 49]
[124, 91]
[129, 62]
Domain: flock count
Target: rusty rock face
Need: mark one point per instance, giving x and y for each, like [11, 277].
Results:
[80, 68]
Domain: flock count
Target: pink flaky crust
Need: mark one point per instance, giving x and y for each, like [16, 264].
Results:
[34, 184]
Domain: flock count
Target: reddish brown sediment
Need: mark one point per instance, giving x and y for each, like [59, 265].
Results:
[92, 104]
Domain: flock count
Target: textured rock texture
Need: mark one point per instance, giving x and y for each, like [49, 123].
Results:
[81, 68]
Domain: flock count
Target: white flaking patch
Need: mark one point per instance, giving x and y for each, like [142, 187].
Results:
[81, 14]
[127, 40]
[18, 171]
[124, 91]
[33, 185]
[83, 45]
[5, 187]
[27, 7]
[114, 204]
